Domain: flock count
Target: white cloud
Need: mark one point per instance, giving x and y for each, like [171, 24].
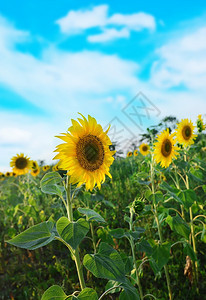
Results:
[79, 20]
[109, 35]
[75, 22]
[137, 21]
[182, 61]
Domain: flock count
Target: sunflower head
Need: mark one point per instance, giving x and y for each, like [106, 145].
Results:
[138, 205]
[135, 152]
[165, 149]
[35, 172]
[34, 165]
[45, 168]
[129, 154]
[185, 132]
[20, 164]
[200, 124]
[144, 149]
[8, 174]
[85, 154]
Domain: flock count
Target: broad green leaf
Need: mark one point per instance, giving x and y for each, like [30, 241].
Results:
[144, 246]
[129, 292]
[172, 191]
[72, 232]
[107, 263]
[117, 233]
[161, 254]
[110, 284]
[91, 215]
[156, 197]
[88, 293]
[178, 225]
[188, 197]
[50, 184]
[34, 237]
[55, 292]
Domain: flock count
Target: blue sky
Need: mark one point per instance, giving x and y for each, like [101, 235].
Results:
[58, 58]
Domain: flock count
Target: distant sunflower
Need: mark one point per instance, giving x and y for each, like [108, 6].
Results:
[8, 174]
[85, 154]
[165, 149]
[34, 164]
[200, 124]
[144, 149]
[135, 152]
[56, 167]
[185, 132]
[20, 164]
[45, 168]
[129, 154]
[35, 172]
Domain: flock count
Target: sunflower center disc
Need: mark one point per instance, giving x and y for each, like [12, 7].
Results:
[166, 148]
[90, 152]
[144, 148]
[186, 132]
[21, 163]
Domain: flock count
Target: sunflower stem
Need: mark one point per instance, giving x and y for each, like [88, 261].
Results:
[133, 254]
[159, 227]
[93, 237]
[195, 265]
[76, 252]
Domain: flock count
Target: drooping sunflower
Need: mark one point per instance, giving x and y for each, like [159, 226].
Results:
[85, 154]
[165, 149]
[135, 152]
[129, 154]
[20, 164]
[35, 172]
[200, 124]
[144, 149]
[185, 132]
[45, 168]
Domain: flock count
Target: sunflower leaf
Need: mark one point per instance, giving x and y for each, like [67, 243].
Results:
[50, 184]
[72, 232]
[55, 292]
[91, 215]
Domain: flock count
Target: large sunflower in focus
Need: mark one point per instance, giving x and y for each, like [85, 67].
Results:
[165, 149]
[185, 132]
[144, 149]
[20, 164]
[85, 154]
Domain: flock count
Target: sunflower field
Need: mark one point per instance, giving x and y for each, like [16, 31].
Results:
[97, 225]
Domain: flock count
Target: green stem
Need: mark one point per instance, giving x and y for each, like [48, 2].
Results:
[178, 186]
[133, 255]
[76, 252]
[159, 228]
[93, 237]
[195, 265]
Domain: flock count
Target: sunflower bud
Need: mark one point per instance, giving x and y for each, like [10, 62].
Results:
[138, 205]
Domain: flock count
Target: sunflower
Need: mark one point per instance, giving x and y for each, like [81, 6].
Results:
[85, 154]
[200, 124]
[144, 149]
[129, 154]
[8, 174]
[165, 149]
[20, 164]
[45, 168]
[34, 165]
[56, 167]
[135, 152]
[185, 132]
[35, 172]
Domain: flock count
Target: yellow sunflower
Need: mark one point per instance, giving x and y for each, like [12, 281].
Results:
[56, 167]
[135, 152]
[35, 172]
[165, 149]
[34, 165]
[129, 154]
[45, 168]
[200, 124]
[8, 174]
[20, 164]
[144, 149]
[185, 132]
[85, 154]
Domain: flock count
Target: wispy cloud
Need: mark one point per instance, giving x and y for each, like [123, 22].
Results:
[111, 27]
